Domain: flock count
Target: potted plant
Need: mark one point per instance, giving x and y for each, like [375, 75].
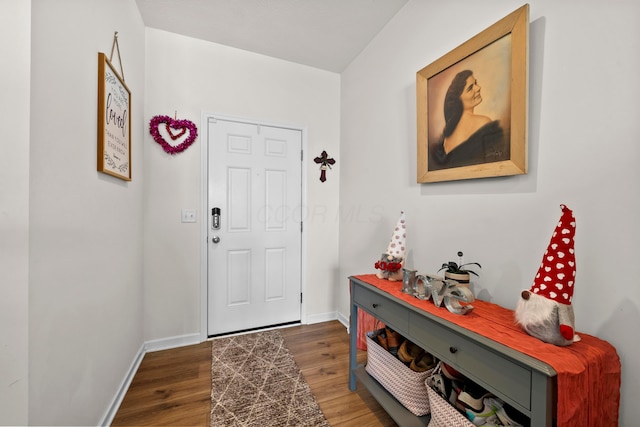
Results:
[458, 271]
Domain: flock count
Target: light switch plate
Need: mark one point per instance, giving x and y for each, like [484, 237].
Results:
[188, 215]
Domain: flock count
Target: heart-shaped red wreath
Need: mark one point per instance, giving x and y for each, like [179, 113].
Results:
[175, 129]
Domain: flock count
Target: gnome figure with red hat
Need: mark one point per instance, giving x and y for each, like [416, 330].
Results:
[391, 262]
[545, 311]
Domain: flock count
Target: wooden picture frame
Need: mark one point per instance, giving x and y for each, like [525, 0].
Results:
[114, 122]
[482, 114]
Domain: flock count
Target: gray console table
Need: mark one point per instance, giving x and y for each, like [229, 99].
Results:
[525, 383]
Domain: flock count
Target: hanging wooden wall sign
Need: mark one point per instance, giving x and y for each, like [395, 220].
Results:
[114, 119]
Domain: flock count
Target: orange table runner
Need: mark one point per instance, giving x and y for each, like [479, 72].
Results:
[588, 370]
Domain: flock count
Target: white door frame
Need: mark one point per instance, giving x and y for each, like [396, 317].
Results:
[204, 219]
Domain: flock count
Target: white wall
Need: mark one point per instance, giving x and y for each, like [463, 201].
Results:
[190, 76]
[81, 251]
[85, 260]
[15, 25]
[583, 151]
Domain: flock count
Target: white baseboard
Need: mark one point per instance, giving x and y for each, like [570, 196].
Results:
[147, 347]
[319, 318]
[173, 342]
[108, 417]
[344, 320]
[325, 317]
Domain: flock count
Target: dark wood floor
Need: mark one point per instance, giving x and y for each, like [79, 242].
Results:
[172, 387]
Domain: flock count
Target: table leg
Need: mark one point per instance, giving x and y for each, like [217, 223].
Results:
[353, 341]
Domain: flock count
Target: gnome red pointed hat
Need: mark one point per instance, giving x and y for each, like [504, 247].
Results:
[397, 244]
[557, 273]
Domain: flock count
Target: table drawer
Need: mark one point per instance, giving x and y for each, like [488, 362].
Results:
[387, 311]
[488, 368]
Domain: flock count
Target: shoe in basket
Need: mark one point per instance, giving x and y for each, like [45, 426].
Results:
[472, 396]
[408, 351]
[505, 420]
[487, 416]
[492, 414]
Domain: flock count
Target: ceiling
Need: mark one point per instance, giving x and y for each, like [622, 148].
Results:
[325, 34]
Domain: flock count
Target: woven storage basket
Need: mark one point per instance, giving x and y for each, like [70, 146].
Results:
[443, 414]
[406, 385]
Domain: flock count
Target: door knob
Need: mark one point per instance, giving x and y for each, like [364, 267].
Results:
[215, 239]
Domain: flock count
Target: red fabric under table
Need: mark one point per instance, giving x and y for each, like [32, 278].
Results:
[588, 370]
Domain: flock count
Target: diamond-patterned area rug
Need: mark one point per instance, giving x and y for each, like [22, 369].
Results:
[256, 382]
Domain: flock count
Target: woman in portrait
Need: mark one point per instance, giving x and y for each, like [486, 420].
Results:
[468, 138]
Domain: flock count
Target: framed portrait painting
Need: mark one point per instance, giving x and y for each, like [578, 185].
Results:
[114, 122]
[472, 106]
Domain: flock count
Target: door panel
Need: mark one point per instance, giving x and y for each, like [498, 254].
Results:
[254, 270]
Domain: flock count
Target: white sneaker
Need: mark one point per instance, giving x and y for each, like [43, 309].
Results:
[493, 414]
[505, 420]
[482, 417]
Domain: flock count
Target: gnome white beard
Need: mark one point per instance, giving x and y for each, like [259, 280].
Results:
[540, 317]
[534, 311]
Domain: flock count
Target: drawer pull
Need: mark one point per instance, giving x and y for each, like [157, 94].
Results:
[453, 349]
[375, 305]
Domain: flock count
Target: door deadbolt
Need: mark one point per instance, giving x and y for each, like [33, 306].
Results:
[215, 218]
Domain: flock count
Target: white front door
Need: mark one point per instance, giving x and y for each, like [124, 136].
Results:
[254, 246]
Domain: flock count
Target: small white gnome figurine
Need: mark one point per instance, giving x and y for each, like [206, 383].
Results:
[545, 311]
[391, 262]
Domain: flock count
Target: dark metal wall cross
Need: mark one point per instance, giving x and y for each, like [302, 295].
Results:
[325, 163]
